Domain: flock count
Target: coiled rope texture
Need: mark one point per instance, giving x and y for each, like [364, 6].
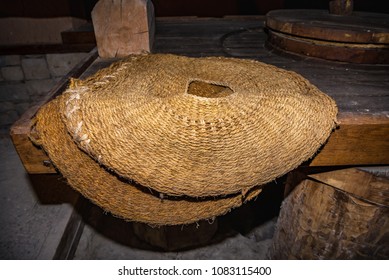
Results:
[205, 131]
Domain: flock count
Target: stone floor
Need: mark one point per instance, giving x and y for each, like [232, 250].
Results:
[33, 211]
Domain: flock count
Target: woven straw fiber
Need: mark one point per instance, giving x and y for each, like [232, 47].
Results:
[198, 126]
[113, 194]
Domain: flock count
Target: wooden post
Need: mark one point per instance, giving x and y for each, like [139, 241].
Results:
[123, 27]
[341, 7]
[173, 238]
[341, 214]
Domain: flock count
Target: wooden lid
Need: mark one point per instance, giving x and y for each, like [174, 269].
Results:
[360, 27]
[363, 36]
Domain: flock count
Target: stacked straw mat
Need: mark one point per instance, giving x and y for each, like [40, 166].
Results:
[167, 139]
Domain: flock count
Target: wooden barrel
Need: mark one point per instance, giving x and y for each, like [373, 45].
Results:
[341, 214]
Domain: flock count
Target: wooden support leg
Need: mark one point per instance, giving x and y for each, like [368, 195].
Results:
[173, 238]
[341, 214]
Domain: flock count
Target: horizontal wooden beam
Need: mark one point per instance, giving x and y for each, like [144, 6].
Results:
[359, 140]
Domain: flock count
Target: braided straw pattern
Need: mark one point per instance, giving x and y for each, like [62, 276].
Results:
[113, 194]
[198, 126]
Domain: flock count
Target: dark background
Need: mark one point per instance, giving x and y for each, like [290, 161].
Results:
[203, 8]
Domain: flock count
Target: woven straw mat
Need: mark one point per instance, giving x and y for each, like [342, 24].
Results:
[198, 126]
[166, 139]
[113, 194]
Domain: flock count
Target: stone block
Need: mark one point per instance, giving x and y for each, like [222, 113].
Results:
[61, 64]
[8, 118]
[6, 106]
[33, 56]
[39, 87]
[16, 92]
[35, 68]
[123, 27]
[11, 60]
[12, 73]
[22, 107]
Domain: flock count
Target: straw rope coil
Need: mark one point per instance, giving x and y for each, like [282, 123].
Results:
[165, 139]
[197, 126]
[123, 199]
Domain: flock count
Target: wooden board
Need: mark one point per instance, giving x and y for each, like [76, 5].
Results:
[361, 92]
[359, 140]
[81, 35]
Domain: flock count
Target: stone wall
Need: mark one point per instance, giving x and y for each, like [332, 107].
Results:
[24, 79]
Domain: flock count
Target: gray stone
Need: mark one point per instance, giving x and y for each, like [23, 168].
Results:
[33, 56]
[16, 92]
[12, 73]
[11, 60]
[22, 107]
[61, 64]
[6, 106]
[8, 117]
[35, 68]
[39, 87]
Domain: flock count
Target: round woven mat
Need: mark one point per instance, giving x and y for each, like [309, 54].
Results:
[113, 194]
[198, 126]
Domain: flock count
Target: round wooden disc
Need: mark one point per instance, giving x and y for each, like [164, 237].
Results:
[358, 38]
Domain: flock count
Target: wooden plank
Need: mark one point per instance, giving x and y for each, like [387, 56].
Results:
[359, 140]
[47, 48]
[33, 158]
[67, 246]
[81, 35]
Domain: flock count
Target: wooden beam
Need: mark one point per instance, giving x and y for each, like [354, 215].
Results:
[359, 140]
